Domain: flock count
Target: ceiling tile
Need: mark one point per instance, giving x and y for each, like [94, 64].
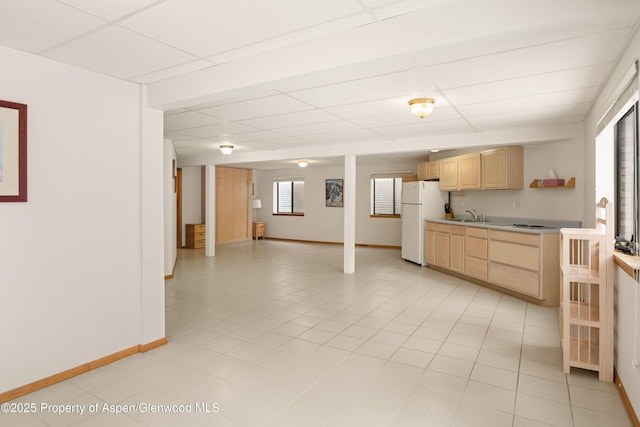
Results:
[406, 117]
[533, 85]
[423, 128]
[383, 106]
[352, 135]
[520, 120]
[247, 137]
[549, 57]
[216, 27]
[118, 52]
[291, 119]
[34, 25]
[316, 128]
[217, 131]
[554, 99]
[257, 107]
[404, 83]
[188, 120]
[110, 10]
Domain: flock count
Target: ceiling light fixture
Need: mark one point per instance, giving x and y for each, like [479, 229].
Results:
[422, 106]
[435, 150]
[303, 163]
[226, 149]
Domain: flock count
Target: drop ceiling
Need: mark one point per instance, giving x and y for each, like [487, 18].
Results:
[320, 76]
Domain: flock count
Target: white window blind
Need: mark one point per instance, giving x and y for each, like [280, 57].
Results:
[386, 196]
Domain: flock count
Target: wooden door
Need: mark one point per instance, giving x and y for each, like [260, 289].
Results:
[233, 219]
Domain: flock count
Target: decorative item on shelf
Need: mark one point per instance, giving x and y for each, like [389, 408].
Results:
[422, 107]
[551, 183]
[303, 163]
[226, 149]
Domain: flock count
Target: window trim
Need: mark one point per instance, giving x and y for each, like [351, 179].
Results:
[277, 183]
[372, 213]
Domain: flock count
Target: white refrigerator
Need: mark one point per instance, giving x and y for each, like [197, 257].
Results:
[421, 200]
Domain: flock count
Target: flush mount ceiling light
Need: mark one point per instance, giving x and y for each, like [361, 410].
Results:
[226, 149]
[435, 150]
[422, 106]
[303, 163]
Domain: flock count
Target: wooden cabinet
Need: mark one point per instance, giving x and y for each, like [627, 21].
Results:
[233, 205]
[442, 246]
[469, 172]
[433, 169]
[475, 259]
[503, 168]
[525, 263]
[430, 243]
[422, 171]
[195, 236]
[258, 230]
[448, 174]
[587, 298]
[456, 248]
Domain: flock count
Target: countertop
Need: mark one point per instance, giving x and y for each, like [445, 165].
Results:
[507, 224]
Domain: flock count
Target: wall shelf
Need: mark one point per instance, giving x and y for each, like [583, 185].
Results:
[569, 184]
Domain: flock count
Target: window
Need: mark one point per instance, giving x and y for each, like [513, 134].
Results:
[626, 141]
[386, 196]
[288, 197]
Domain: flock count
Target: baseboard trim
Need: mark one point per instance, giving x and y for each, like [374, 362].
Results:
[73, 372]
[625, 399]
[333, 243]
[173, 271]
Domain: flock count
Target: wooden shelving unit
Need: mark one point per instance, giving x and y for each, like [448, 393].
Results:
[569, 184]
[586, 301]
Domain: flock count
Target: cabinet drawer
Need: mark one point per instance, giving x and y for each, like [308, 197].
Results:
[199, 244]
[456, 229]
[199, 235]
[522, 238]
[259, 227]
[431, 226]
[476, 247]
[476, 232]
[526, 282]
[199, 228]
[475, 267]
[515, 254]
[443, 228]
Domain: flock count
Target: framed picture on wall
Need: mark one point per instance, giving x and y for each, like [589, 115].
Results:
[334, 193]
[13, 152]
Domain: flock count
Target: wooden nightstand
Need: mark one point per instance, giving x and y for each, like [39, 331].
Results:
[195, 236]
[258, 230]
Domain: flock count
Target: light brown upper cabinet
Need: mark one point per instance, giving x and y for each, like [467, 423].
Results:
[422, 171]
[448, 174]
[433, 169]
[469, 173]
[503, 168]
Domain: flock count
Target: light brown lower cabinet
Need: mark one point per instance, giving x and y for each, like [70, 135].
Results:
[430, 242]
[522, 263]
[456, 248]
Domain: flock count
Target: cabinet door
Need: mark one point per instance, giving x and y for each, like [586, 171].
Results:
[442, 249]
[422, 172]
[448, 173]
[433, 170]
[494, 168]
[503, 168]
[469, 177]
[430, 248]
[456, 260]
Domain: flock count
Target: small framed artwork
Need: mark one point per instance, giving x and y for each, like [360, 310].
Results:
[334, 193]
[13, 152]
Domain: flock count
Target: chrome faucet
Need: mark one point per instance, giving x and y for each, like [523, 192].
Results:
[473, 213]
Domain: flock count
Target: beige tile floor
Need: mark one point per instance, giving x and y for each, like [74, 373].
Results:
[272, 333]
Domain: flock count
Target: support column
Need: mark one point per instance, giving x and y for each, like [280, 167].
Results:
[349, 199]
[210, 209]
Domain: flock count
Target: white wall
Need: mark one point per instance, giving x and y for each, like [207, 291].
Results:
[321, 223]
[191, 198]
[625, 288]
[563, 157]
[170, 251]
[71, 257]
